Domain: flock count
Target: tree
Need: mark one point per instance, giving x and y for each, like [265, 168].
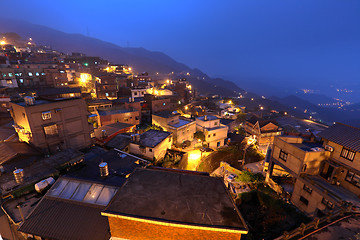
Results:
[200, 136]
[154, 127]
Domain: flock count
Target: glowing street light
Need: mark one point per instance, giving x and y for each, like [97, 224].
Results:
[2, 42]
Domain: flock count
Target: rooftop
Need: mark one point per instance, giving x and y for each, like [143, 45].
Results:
[177, 197]
[309, 146]
[36, 169]
[10, 150]
[209, 118]
[153, 137]
[166, 114]
[111, 129]
[112, 111]
[120, 142]
[56, 218]
[343, 135]
[120, 164]
[43, 101]
[182, 122]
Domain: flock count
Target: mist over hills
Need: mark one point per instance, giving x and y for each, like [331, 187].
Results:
[143, 60]
[140, 59]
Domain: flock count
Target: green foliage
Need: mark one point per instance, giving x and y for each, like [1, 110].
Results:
[154, 127]
[199, 135]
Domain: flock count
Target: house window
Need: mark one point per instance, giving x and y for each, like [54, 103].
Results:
[214, 134]
[353, 178]
[209, 136]
[135, 93]
[46, 115]
[21, 80]
[218, 144]
[126, 119]
[304, 200]
[30, 74]
[215, 123]
[347, 154]
[307, 188]
[107, 94]
[283, 155]
[51, 130]
[37, 74]
[327, 203]
[8, 81]
[150, 149]
[164, 104]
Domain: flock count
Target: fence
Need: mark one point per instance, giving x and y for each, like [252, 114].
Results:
[299, 232]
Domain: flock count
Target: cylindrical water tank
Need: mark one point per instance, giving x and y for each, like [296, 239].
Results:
[19, 175]
[104, 169]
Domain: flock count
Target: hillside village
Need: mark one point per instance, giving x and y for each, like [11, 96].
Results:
[91, 149]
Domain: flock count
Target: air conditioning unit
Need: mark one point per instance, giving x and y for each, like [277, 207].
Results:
[329, 148]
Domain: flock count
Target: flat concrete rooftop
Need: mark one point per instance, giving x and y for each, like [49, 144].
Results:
[177, 197]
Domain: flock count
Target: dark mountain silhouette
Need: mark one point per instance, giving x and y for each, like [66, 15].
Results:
[140, 59]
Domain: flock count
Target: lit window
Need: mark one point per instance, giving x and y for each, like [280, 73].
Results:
[11, 75]
[46, 115]
[327, 203]
[30, 74]
[37, 74]
[8, 81]
[42, 74]
[51, 130]
[164, 104]
[283, 155]
[107, 94]
[347, 154]
[21, 80]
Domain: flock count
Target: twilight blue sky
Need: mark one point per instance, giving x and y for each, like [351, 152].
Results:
[281, 43]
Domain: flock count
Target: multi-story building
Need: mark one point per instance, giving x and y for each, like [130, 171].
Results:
[151, 144]
[52, 125]
[215, 132]
[110, 116]
[326, 174]
[182, 129]
[263, 130]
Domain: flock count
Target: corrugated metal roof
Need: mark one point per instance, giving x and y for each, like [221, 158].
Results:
[343, 135]
[66, 220]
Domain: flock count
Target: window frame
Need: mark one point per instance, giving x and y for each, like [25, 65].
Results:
[283, 155]
[348, 154]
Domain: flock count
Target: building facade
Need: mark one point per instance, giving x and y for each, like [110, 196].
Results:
[52, 125]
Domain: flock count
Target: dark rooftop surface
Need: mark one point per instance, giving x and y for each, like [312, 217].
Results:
[120, 164]
[55, 218]
[309, 146]
[112, 111]
[344, 135]
[111, 129]
[166, 114]
[120, 142]
[26, 202]
[226, 121]
[10, 150]
[43, 101]
[153, 137]
[347, 228]
[36, 169]
[59, 90]
[176, 197]
[209, 118]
